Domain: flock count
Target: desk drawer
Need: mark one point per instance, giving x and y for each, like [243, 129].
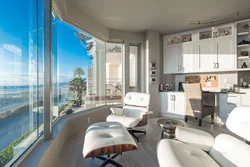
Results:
[233, 99]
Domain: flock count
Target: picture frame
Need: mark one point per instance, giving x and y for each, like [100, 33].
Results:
[153, 80]
[153, 65]
[153, 73]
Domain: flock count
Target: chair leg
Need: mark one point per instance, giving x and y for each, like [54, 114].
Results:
[133, 131]
[200, 122]
[109, 160]
[138, 131]
[133, 135]
[212, 119]
[186, 118]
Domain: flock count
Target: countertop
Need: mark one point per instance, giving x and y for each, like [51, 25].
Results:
[206, 92]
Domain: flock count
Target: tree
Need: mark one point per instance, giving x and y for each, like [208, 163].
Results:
[78, 85]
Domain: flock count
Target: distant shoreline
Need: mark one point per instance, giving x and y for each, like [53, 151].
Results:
[15, 110]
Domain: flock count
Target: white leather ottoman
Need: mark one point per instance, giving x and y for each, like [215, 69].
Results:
[105, 138]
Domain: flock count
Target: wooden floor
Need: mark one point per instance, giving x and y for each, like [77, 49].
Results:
[145, 156]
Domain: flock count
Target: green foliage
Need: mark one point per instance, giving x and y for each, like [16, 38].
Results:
[78, 85]
[7, 154]
[78, 72]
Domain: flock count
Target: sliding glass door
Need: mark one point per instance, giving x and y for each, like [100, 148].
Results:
[114, 77]
[134, 70]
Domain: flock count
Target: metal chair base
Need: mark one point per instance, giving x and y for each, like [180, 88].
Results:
[133, 131]
[109, 160]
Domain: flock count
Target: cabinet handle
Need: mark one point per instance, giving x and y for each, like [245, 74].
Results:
[174, 97]
[218, 65]
[171, 97]
[199, 57]
[214, 65]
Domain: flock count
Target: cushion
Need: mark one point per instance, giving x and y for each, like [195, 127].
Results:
[128, 122]
[229, 151]
[195, 137]
[238, 122]
[105, 138]
[132, 111]
[137, 99]
[172, 153]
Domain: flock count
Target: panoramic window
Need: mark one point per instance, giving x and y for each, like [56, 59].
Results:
[78, 69]
[114, 73]
[21, 77]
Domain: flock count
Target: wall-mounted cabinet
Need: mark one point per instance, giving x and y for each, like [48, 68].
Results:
[208, 50]
[178, 58]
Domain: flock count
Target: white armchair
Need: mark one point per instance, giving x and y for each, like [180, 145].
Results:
[134, 113]
[198, 148]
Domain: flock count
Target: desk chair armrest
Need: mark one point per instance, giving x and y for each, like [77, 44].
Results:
[195, 137]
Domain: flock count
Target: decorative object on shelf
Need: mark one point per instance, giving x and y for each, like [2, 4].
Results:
[244, 53]
[186, 38]
[246, 26]
[244, 65]
[221, 19]
[244, 42]
[220, 33]
[205, 35]
[174, 40]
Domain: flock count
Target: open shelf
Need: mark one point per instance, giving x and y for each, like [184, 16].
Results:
[245, 45]
[243, 33]
[243, 57]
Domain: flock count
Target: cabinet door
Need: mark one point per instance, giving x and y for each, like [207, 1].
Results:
[180, 104]
[225, 53]
[205, 55]
[186, 57]
[171, 103]
[171, 59]
[164, 102]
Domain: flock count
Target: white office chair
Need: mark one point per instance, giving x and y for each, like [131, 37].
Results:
[133, 114]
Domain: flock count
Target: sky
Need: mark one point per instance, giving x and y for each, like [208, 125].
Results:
[18, 45]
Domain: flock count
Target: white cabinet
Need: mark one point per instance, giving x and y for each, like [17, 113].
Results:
[204, 51]
[186, 57]
[171, 59]
[205, 55]
[225, 53]
[245, 98]
[173, 104]
[179, 58]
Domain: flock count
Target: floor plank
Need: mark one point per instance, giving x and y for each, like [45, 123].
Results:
[145, 156]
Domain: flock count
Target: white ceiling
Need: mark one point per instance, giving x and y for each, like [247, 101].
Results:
[165, 16]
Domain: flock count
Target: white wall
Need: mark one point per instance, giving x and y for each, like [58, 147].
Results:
[153, 54]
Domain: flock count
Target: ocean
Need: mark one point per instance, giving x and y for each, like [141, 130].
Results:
[14, 126]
